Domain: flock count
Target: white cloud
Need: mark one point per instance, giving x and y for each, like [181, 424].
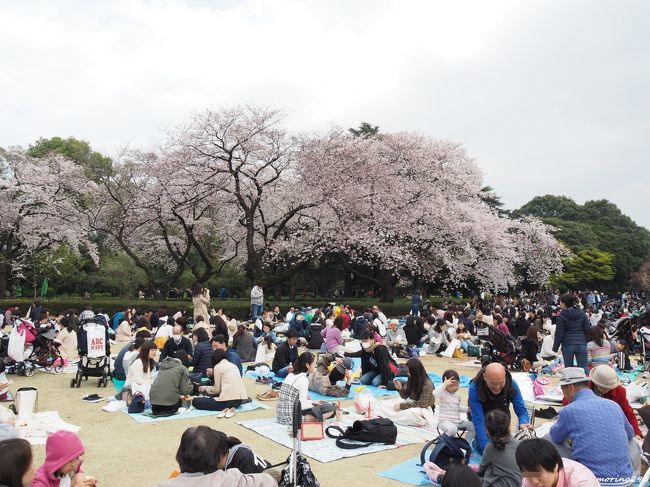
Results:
[536, 90]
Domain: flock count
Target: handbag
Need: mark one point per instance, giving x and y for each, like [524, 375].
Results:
[365, 432]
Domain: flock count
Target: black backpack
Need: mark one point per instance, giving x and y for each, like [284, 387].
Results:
[448, 450]
[367, 432]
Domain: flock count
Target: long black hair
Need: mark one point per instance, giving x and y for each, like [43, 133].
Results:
[417, 377]
[497, 424]
[303, 361]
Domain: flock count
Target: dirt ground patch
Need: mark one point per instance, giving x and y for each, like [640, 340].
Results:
[121, 452]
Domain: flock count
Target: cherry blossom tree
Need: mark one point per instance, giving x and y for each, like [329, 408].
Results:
[41, 201]
[402, 204]
[240, 163]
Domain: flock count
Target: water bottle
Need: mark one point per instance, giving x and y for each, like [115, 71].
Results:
[291, 367]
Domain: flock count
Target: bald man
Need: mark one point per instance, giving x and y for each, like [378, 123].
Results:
[493, 388]
[175, 343]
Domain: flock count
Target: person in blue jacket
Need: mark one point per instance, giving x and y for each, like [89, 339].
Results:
[493, 388]
[572, 332]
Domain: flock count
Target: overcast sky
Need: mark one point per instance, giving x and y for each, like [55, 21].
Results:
[547, 96]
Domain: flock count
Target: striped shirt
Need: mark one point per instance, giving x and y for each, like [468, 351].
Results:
[597, 355]
[449, 407]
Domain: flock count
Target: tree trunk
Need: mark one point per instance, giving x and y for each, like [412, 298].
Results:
[292, 289]
[322, 277]
[347, 290]
[386, 286]
[4, 278]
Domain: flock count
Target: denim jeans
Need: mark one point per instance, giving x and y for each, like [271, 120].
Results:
[577, 351]
[256, 310]
[415, 310]
[371, 378]
[283, 372]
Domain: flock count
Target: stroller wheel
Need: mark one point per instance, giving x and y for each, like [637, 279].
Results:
[73, 382]
[30, 370]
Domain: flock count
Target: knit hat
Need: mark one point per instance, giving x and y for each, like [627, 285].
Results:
[604, 377]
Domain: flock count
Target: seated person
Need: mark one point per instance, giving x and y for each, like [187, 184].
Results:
[449, 407]
[605, 383]
[377, 366]
[415, 405]
[245, 344]
[202, 355]
[267, 331]
[286, 354]
[599, 431]
[62, 465]
[541, 465]
[172, 382]
[219, 343]
[296, 386]
[16, 463]
[139, 377]
[228, 390]
[498, 465]
[328, 371]
[202, 457]
[176, 343]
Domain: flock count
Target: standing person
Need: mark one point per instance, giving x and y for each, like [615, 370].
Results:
[415, 405]
[257, 301]
[499, 465]
[200, 301]
[493, 388]
[571, 333]
[416, 301]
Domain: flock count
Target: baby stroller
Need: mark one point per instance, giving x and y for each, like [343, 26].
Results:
[40, 350]
[497, 347]
[94, 352]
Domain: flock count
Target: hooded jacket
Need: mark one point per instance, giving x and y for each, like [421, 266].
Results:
[172, 381]
[572, 328]
[60, 448]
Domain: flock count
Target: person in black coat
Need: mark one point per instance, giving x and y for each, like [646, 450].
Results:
[314, 338]
[521, 325]
[529, 345]
[202, 357]
[175, 343]
[377, 366]
[414, 330]
[285, 354]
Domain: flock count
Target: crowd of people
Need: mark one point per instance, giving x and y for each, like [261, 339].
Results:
[168, 359]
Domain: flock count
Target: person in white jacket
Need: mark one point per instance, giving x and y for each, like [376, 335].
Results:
[139, 377]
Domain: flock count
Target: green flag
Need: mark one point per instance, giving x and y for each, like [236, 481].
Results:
[44, 287]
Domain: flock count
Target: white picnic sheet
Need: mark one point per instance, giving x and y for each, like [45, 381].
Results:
[525, 383]
[37, 428]
[324, 450]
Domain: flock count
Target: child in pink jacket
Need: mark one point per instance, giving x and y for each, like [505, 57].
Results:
[62, 467]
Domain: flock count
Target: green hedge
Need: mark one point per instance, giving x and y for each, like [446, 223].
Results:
[237, 306]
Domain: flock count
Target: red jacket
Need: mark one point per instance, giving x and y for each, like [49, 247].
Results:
[619, 396]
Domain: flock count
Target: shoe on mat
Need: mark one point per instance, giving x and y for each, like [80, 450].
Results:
[92, 398]
[230, 412]
[222, 413]
[269, 395]
[114, 406]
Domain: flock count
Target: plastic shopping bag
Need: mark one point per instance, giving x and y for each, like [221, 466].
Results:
[363, 401]
[16, 347]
